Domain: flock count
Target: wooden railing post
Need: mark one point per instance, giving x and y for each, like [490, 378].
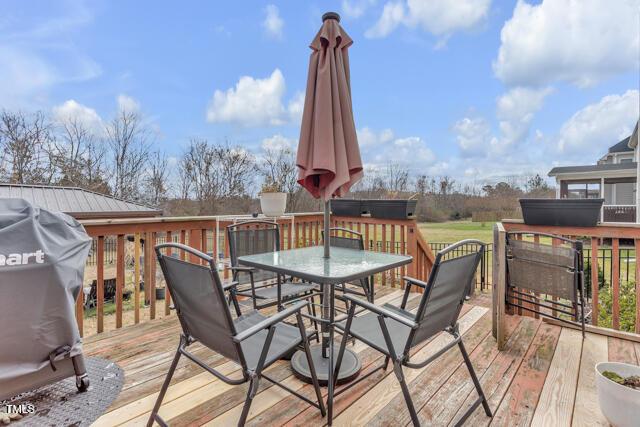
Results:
[412, 250]
[637, 279]
[499, 293]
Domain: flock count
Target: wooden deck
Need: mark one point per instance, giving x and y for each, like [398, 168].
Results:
[544, 377]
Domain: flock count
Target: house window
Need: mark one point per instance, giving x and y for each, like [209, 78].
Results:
[628, 160]
[583, 190]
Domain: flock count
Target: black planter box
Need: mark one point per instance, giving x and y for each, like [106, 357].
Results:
[346, 207]
[390, 209]
[160, 293]
[562, 212]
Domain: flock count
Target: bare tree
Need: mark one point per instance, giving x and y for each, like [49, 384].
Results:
[198, 171]
[80, 157]
[127, 138]
[156, 180]
[235, 170]
[396, 178]
[26, 143]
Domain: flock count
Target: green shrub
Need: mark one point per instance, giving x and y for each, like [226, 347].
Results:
[627, 306]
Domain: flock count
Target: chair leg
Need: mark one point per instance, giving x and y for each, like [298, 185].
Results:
[253, 388]
[312, 308]
[312, 368]
[397, 369]
[234, 300]
[165, 385]
[474, 378]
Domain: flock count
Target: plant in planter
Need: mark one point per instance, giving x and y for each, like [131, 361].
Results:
[273, 201]
[618, 386]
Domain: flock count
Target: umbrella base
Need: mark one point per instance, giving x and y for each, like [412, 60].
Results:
[349, 368]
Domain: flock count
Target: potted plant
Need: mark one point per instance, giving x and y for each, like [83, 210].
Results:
[561, 212]
[273, 201]
[618, 386]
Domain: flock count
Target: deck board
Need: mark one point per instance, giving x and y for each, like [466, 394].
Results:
[595, 349]
[531, 382]
[555, 407]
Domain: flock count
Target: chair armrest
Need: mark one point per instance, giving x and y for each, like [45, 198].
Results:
[381, 311]
[242, 269]
[411, 281]
[229, 285]
[266, 323]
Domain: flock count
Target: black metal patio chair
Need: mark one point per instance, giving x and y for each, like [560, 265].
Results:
[394, 331]
[546, 278]
[350, 239]
[256, 237]
[253, 341]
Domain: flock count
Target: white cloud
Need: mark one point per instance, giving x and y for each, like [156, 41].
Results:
[593, 129]
[438, 17]
[581, 42]
[127, 103]
[278, 142]
[368, 138]
[72, 110]
[255, 102]
[356, 8]
[273, 23]
[296, 107]
[411, 151]
[515, 111]
[473, 135]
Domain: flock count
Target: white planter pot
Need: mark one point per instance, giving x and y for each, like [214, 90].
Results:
[273, 204]
[619, 404]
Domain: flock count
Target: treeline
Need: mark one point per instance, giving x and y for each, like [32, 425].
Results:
[117, 158]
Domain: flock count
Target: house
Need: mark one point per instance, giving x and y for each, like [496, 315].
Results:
[77, 202]
[613, 178]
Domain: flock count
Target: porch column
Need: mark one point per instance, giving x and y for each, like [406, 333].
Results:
[602, 196]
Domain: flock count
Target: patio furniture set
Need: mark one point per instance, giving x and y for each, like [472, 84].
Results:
[292, 280]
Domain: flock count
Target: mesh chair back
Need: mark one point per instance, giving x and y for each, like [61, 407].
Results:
[251, 238]
[344, 238]
[450, 281]
[200, 302]
[542, 268]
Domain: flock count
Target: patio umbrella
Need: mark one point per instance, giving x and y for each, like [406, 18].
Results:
[328, 156]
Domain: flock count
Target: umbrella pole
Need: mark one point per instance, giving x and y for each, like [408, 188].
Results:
[327, 210]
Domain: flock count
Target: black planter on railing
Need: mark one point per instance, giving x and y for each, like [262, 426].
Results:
[346, 207]
[390, 209]
[561, 212]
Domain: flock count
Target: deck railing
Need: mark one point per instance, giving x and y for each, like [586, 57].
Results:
[621, 288]
[134, 266]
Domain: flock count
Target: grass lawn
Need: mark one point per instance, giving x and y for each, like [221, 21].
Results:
[452, 231]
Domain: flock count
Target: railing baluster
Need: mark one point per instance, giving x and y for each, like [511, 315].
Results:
[136, 278]
[100, 284]
[119, 279]
[637, 280]
[167, 295]
[595, 281]
[615, 282]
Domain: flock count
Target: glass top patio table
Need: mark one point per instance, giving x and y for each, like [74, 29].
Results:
[344, 265]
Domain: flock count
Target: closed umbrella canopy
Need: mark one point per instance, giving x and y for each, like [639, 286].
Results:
[328, 156]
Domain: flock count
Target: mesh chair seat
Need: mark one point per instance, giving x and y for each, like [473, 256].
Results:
[287, 290]
[285, 339]
[367, 328]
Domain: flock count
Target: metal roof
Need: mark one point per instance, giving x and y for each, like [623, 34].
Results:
[621, 147]
[593, 168]
[77, 202]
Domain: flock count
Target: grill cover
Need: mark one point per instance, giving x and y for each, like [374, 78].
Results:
[42, 259]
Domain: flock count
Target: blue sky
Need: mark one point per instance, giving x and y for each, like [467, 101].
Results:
[476, 89]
